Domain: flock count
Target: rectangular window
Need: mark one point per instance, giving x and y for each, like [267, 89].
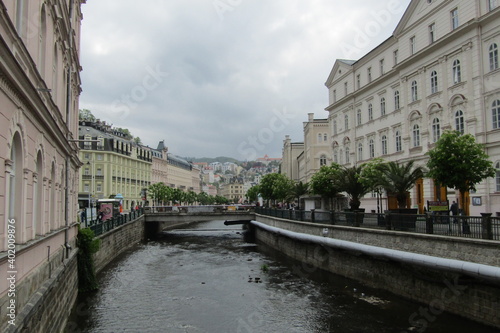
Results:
[454, 19]
[432, 33]
[382, 67]
[492, 4]
[395, 54]
[369, 74]
[86, 188]
[358, 81]
[412, 45]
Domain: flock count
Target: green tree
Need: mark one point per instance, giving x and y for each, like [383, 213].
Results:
[252, 193]
[326, 182]
[157, 192]
[275, 186]
[351, 183]
[86, 115]
[138, 140]
[398, 179]
[458, 162]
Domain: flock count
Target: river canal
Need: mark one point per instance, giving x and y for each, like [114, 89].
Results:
[206, 278]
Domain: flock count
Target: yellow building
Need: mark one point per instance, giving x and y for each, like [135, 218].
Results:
[112, 165]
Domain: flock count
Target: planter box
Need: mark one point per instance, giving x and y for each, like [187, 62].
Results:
[404, 219]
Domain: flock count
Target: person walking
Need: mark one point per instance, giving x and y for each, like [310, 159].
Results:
[454, 211]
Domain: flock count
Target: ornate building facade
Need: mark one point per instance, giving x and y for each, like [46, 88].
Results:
[39, 92]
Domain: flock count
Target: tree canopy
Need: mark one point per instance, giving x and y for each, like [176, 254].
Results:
[458, 161]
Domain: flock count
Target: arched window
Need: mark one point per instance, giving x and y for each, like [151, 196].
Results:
[346, 122]
[459, 121]
[457, 72]
[37, 196]
[416, 135]
[382, 106]
[384, 145]
[371, 148]
[14, 198]
[493, 54]
[42, 45]
[495, 113]
[21, 17]
[322, 160]
[397, 104]
[347, 155]
[359, 117]
[335, 156]
[320, 137]
[434, 82]
[360, 151]
[436, 130]
[370, 111]
[414, 91]
[399, 146]
[325, 137]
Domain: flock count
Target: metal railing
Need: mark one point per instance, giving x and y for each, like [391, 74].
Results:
[478, 227]
[101, 227]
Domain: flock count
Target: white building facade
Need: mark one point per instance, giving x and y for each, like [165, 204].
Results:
[438, 71]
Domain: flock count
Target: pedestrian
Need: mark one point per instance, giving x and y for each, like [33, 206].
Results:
[83, 215]
[100, 216]
[454, 211]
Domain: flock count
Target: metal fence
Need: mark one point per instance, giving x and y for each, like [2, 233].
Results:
[101, 227]
[478, 227]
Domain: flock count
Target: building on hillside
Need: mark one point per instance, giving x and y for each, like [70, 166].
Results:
[317, 151]
[232, 192]
[39, 93]
[210, 189]
[438, 71]
[266, 159]
[196, 179]
[113, 165]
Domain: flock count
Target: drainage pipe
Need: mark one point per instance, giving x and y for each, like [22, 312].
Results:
[482, 271]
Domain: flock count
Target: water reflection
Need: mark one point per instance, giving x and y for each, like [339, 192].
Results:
[205, 278]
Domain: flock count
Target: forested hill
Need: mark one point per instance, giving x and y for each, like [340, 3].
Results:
[221, 159]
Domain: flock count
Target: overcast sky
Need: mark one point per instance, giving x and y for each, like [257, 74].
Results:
[221, 77]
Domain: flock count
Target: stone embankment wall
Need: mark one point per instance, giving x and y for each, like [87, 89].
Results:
[438, 289]
[118, 240]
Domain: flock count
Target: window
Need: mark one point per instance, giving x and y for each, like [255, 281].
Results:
[99, 187]
[320, 137]
[497, 177]
[495, 112]
[360, 151]
[434, 82]
[492, 4]
[416, 135]
[345, 88]
[370, 111]
[432, 33]
[395, 55]
[384, 145]
[87, 144]
[396, 100]
[322, 160]
[99, 157]
[100, 143]
[493, 53]
[347, 155]
[459, 121]
[335, 127]
[99, 172]
[414, 91]
[371, 148]
[325, 137]
[399, 146]
[457, 72]
[382, 106]
[436, 130]
[334, 95]
[335, 157]
[346, 122]
[412, 45]
[358, 81]
[454, 19]
[369, 74]
[86, 172]
[359, 116]
[86, 188]
[382, 67]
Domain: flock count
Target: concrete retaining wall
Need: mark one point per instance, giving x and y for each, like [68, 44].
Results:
[438, 290]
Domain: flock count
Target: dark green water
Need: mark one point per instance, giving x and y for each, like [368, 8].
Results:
[208, 279]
